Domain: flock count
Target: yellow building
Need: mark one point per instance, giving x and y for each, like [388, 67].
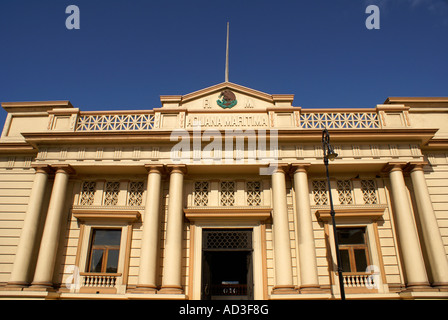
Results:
[222, 194]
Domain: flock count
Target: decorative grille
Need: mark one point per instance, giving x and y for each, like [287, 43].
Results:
[369, 191]
[345, 192]
[111, 193]
[135, 193]
[227, 239]
[117, 122]
[355, 120]
[227, 193]
[320, 192]
[253, 193]
[87, 193]
[201, 193]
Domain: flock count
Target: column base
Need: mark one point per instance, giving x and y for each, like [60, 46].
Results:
[441, 286]
[309, 289]
[17, 284]
[142, 288]
[286, 289]
[419, 287]
[41, 286]
[171, 290]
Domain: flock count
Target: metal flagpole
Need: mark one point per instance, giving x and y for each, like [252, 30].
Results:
[227, 55]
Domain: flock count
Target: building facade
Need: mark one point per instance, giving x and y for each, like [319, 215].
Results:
[222, 194]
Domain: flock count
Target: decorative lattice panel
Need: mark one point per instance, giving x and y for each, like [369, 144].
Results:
[340, 120]
[115, 122]
[369, 192]
[111, 193]
[135, 193]
[344, 188]
[227, 239]
[320, 192]
[201, 189]
[87, 193]
[253, 193]
[227, 193]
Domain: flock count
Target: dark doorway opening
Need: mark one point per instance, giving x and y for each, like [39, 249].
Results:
[227, 267]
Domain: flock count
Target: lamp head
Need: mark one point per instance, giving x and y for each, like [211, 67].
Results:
[331, 154]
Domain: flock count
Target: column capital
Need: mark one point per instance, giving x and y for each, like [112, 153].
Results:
[177, 168]
[155, 168]
[300, 167]
[42, 168]
[415, 166]
[394, 166]
[282, 168]
[65, 168]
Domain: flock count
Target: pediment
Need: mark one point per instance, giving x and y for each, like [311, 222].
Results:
[227, 96]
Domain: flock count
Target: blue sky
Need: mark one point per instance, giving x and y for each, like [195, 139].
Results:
[128, 53]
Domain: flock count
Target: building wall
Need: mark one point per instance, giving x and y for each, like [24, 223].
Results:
[16, 181]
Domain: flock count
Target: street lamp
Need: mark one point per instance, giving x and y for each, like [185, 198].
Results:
[329, 154]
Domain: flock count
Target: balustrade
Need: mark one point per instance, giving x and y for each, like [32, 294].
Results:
[100, 280]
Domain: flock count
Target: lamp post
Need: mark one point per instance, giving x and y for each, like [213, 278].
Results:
[329, 154]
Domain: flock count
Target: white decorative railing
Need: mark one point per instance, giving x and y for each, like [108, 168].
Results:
[365, 280]
[115, 122]
[99, 280]
[340, 120]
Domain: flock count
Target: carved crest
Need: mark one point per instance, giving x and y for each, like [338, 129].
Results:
[227, 99]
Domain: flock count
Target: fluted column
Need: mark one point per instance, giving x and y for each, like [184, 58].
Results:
[50, 238]
[150, 238]
[414, 265]
[172, 262]
[282, 247]
[20, 275]
[307, 252]
[430, 229]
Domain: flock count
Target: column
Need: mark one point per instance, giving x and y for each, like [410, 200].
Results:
[172, 263]
[430, 229]
[20, 275]
[407, 233]
[150, 238]
[282, 247]
[307, 252]
[50, 239]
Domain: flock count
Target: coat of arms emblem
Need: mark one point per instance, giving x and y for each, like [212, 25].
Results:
[227, 99]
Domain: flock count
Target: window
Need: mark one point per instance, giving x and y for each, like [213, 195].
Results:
[227, 193]
[201, 193]
[104, 250]
[320, 192]
[344, 188]
[369, 191]
[87, 193]
[135, 193]
[353, 249]
[111, 193]
[253, 193]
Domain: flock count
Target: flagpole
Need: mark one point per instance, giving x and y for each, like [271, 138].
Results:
[227, 55]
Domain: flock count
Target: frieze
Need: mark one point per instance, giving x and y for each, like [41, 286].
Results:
[234, 120]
